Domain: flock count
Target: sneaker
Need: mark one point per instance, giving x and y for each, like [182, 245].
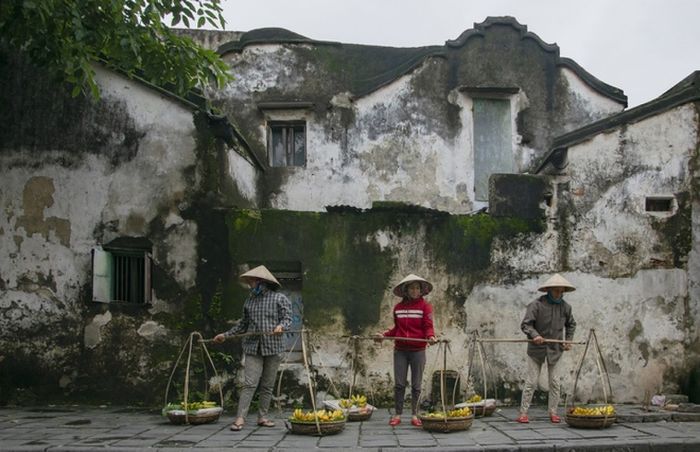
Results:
[523, 419]
[394, 421]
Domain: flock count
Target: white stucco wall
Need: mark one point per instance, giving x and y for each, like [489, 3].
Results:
[643, 308]
[595, 105]
[82, 192]
[635, 296]
[398, 145]
[610, 178]
[245, 176]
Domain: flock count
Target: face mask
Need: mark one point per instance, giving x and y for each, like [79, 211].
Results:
[257, 290]
[553, 300]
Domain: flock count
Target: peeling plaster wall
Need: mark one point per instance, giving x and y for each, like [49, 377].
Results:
[60, 202]
[590, 106]
[610, 177]
[409, 140]
[245, 177]
[636, 268]
[635, 271]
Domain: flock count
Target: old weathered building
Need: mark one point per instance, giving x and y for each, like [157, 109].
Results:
[484, 164]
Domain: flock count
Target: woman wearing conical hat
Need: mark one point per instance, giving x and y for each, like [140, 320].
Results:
[269, 313]
[547, 318]
[413, 318]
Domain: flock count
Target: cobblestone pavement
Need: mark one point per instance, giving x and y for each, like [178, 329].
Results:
[112, 429]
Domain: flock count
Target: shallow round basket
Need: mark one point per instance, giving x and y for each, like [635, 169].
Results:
[359, 417]
[178, 417]
[590, 421]
[309, 428]
[482, 410]
[452, 424]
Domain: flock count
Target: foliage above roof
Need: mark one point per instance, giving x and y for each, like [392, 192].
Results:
[67, 37]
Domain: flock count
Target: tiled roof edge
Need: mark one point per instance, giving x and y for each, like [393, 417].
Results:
[610, 91]
[671, 99]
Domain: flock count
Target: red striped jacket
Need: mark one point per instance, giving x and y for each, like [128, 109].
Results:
[414, 319]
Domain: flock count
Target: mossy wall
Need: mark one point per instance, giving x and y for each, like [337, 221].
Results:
[346, 267]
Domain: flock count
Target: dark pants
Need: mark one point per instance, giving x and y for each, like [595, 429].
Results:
[402, 360]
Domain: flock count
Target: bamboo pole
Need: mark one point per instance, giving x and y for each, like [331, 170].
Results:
[546, 341]
[394, 338]
[312, 388]
[258, 333]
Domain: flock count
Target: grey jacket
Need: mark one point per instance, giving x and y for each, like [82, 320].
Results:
[549, 321]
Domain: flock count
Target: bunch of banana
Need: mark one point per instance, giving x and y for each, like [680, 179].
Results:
[300, 415]
[359, 401]
[474, 399]
[193, 406]
[460, 412]
[607, 410]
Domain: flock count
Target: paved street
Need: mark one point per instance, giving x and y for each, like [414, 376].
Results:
[128, 429]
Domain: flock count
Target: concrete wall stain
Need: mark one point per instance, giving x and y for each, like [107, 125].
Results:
[37, 196]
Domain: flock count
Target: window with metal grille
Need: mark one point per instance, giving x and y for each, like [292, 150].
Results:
[122, 273]
[128, 280]
[286, 143]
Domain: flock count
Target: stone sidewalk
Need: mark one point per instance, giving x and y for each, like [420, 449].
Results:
[128, 429]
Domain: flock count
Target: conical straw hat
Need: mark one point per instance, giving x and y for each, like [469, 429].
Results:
[557, 281]
[261, 272]
[425, 286]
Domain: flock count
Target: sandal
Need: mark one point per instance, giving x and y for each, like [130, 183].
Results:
[236, 426]
[265, 423]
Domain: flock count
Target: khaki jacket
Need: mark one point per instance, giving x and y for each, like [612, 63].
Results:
[549, 321]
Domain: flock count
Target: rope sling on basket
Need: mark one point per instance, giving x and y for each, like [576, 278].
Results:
[596, 415]
[356, 405]
[198, 412]
[316, 422]
[353, 398]
[481, 406]
[481, 340]
[446, 421]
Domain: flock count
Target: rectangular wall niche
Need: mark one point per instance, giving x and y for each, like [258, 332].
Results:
[659, 204]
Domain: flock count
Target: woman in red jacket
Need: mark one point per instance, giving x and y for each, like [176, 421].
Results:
[413, 318]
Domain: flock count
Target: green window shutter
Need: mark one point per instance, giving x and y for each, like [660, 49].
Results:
[101, 275]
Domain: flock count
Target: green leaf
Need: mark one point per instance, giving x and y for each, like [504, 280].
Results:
[66, 37]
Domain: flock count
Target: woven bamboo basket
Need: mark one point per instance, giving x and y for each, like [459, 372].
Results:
[310, 428]
[482, 410]
[201, 417]
[590, 421]
[451, 424]
[357, 416]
